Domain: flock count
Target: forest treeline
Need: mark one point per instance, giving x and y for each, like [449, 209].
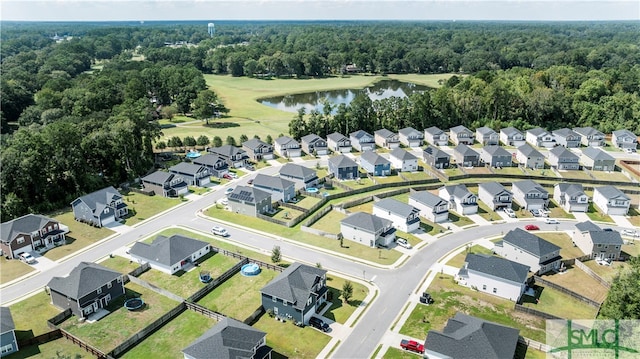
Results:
[70, 127]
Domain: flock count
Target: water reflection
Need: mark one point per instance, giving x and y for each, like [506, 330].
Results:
[315, 100]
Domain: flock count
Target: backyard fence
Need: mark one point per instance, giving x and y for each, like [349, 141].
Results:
[77, 341]
[138, 271]
[59, 318]
[592, 274]
[270, 266]
[216, 282]
[313, 219]
[534, 344]
[156, 289]
[318, 232]
[564, 290]
[293, 206]
[537, 313]
[40, 339]
[255, 316]
[204, 311]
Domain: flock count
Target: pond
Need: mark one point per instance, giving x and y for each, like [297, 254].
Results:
[315, 100]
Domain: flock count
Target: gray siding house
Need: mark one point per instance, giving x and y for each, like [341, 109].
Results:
[539, 137]
[511, 136]
[430, 206]
[165, 184]
[194, 175]
[589, 136]
[624, 139]
[436, 158]
[234, 156]
[100, 208]
[571, 197]
[404, 217]
[598, 160]
[611, 200]
[8, 341]
[567, 138]
[314, 145]
[229, 339]
[169, 254]
[494, 275]
[362, 141]
[280, 188]
[436, 136]
[403, 161]
[386, 139]
[375, 164]
[343, 168]
[258, 150]
[487, 136]
[461, 135]
[596, 242]
[523, 247]
[339, 143]
[287, 147]
[250, 201]
[303, 177]
[411, 137]
[496, 156]
[368, 229]
[529, 157]
[494, 195]
[87, 289]
[297, 293]
[530, 195]
[465, 156]
[216, 165]
[563, 159]
[461, 200]
[29, 233]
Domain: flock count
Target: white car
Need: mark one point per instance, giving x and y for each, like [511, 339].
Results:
[510, 212]
[228, 191]
[27, 257]
[551, 221]
[223, 201]
[603, 262]
[630, 233]
[403, 243]
[630, 150]
[219, 231]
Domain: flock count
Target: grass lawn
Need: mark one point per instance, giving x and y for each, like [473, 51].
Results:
[634, 217]
[632, 249]
[30, 315]
[416, 176]
[198, 190]
[330, 222]
[451, 298]
[520, 211]
[322, 172]
[542, 172]
[168, 341]
[430, 227]
[562, 240]
[535, 354]
[558, 212]
[609, 176]
[11, 269]
[142, 207]
[559, 304]
[286, 214]
[358, 183]
[607, 273]
[487, 213]
[120, 264]
[388, 179]
[597, 216]
[306, 202]
[110, 331]
[61, 348]
[364, 207]
[459, 221]
[453, 171]
[80, 235]
[239, 296]
[290, 341]
[508, 171]
[395, 353]
[341, 311]
[458, 260]
[578, 281]
[478, 170]
[577, 174]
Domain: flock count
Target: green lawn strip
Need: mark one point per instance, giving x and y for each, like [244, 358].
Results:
[460, 221]
[562, 240]
[450, 298]
[30, 315]
[610, 176]
[199, 190]
[339, 310]
[365, 207]
[487, 213]
[285, 214]
[358, 183]
[120, 324]
[432, 80]
[607, 273]
[558, 212]
[395, 353]
[632, 249]
[389, 179]
[306, 201]
[11, 269]
[120, 264]
[597, 216]
[458, 260]
[330, 222]
[143, 207]
[322, 172]
[575, 174]
[80, 235]
[291, 341]
[559, 304]
[520, 211]
[634, 217]
[431, 228]
[577, 280]
[239, 296]
[416, 176]
[168, 341]
[508, 171]
[478, 170]
[59, 348]
[534, 354]
[454, 171]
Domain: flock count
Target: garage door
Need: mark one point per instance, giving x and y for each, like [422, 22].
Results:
[16, 252]
[205, 181]
[107, 220]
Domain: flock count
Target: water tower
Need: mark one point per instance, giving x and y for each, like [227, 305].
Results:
[211, 29]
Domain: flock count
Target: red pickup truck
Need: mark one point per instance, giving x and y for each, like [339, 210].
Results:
[412, 345]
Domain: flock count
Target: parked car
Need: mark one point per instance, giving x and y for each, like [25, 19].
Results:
[510, 212]
[603, 261]
[425, 298]
[630, 233]
[402, 242]
[250, 182]
[630, 150]
[227, 176]
[250, 167]
[219, 231]
[531, 227]
[535, 212]
[223, 201]
[233, 175]
[27, 257]
[412, 345]
[228, 191]
[608, 229]
[318, 324]
[551, 221]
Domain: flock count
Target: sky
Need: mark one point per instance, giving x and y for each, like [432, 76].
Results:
[212, 10]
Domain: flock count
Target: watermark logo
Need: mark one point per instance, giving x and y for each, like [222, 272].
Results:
[573, 339]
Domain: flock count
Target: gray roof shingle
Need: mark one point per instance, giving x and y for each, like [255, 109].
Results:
[83, 279]
[273, 182]
[434, 131]
[427, 198]
[158, 177]
[343, 161]
[497, 267]
[100, 197]
[411, 132]
[249, 194]
[402, 155]
[587, 226]
[168, 250]
[538, 131]
[373, 158]
[606, 237]
[210, 159]
[529, 242]
[367, 222]
[296, 171]
[563, 152]
[510, 131]
[337, 137]
[587, 131]
[228, 339]
[493, 188]
[186, 168]
[435, 152]
[571, 189]
[384, 133]
[460, 129]
[484, 130]
[6, 320]
[359, 134]
[465, 150]
[283, 140]
[528, 151]
[610, 192]
[294, 284]
[564, 132]
[527, 186]
[496, 151]
[226, 150]
[394, 206]
[22, 225]
[597, 154]
[457, 191]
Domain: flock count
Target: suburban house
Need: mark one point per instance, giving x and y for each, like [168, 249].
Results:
[436, 158]
[465, 336]
[404, 217]
[165, 184]
[169, 254]
[297, 293]
[258, 150]
[496, 156]
[314, 145]
[529, 157]
[403, 161]
[194, 175]
[523, 247]
[87, 289]
[611, 200]
[596, 242]
[100, 207]
[234, 156]
[539, 137]
[375, 164]
[411, 137]
[598, 160]
[589, 136]
[487, 136]
[624, 139]
[494, 195]
[339, 143]
[250, 201]
[494, 275]
[281, 189]
[563, 159]
[461, 200]
[29, 233]
[571, 197]
[229, 339]
[530, 195]
[465, 156]
[287, 147]
[343, 168]
[436, 136]
[8, 341]
[304, 177]
[461, 135]
[368, 229]
[216, 165]
[386, 139]
[511, 136]
[567, 138]
[430, 206]
[362, 141]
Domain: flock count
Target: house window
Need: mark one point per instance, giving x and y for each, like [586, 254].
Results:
[284, 303]
[495, 290]
[309, 301]
[20, 240]
[109, 285]
[6, 349]
[274, 299]
[484, 287]
[99, 290]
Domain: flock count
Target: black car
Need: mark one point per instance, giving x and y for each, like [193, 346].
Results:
[318, 324]
[425, 298]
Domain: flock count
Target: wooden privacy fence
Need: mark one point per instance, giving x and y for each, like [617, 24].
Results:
[537, 313]
[77, 341]
[591, 273]
[566, 291]
[59, 318]
[204, 311]
[40, 339]
[138, 271]
[534, 344]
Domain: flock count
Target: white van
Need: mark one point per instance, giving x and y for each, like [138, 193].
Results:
[403, 243]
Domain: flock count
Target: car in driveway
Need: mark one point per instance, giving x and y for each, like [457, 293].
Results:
[630, 233]
[510, 212]
[402, 242]
[603, 261]
[227, 176]
[219, 231]
[531, 227]
[228, 191]
[27, 258]
[551, 221]
[535, 212]
[319, 324]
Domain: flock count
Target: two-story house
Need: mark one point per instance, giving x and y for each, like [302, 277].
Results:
[436, 158]
[403, 161]
[100, 208]
[461, 135]
[596, 242]
[287, 147]
[258, 150]
[571, 197]
[526, 248]
[297, 293]
[229, 339]
[539, 137]
[529, 157]
[29, 233]
[170, 254]
[249, 201]
[530, 195]
[511, 136]
[339, 143]
[589, 136]
[624, 139]
[567, 138]
[430, 206]
[281, 189]
[368, 229]
[234, 156]
[461, 200]
[343, 168]
[563, 159]
[304, 177]
[386, 139]
[216, 165]
[494, 195]
[193, 174]
[487, 136]
[88, 288]
[8, 340]
[496, 156]
[598, 160]
[165, 184]
[375, 164]
[362, 141]
[611, 200]
[411, 137]
[465, 156]
[436, 136]
[404, 217]
[314, 145]
[494, 275]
